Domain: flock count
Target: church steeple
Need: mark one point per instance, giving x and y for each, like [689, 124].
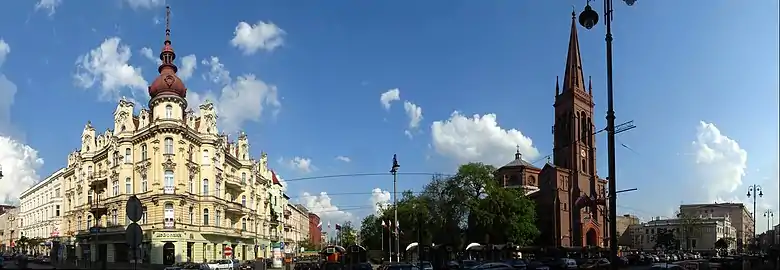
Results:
[572, 77]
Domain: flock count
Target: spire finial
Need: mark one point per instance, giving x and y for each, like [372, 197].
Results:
[517, 154]
[557, 86]
[573, 12]
[168, 23]
[590, 85]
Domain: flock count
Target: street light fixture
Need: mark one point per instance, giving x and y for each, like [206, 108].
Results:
[588, 19]
[757, 192]
[770, 218]
[394, 171]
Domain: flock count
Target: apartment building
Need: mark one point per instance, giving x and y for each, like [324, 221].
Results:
[41, 211]
[296, 227]
[9, 229]
[738, 214]
[624, 231]
[315, 230]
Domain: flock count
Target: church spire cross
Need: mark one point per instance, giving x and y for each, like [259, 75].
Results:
[518, 156]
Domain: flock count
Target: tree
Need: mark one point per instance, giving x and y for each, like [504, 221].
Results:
[371, 233]
[507, 215]
[347, 234]
[688, 227]
[665, 239]
[722, 244]
[307, 245]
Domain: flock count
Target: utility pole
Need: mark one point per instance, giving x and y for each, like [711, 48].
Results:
[394, 171]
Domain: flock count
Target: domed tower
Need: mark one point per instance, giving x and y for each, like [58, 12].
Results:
[167, 93]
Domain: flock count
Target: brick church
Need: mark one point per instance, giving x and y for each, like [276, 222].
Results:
[569, 194]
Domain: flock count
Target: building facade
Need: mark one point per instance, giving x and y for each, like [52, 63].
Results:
[698, 235]
[624, 229]
[567, 186]
[201, 192]
[740, 217]
[296, 227]
[41, 211]
[315, 230]
[9, 229]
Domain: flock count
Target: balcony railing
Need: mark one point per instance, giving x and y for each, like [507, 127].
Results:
[169, 190]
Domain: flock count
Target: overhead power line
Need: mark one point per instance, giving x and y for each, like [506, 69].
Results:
[362, 174]
[618, 129]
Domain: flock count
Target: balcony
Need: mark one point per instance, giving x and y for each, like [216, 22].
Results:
[234, 208]
[98, 180]
[234, 182]
[169, 190]
[97, 207]
[168, 223]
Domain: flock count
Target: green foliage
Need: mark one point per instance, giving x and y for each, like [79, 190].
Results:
[665, 239]
[468, 206]
[348, 234]
[307, 245]
[722, 244]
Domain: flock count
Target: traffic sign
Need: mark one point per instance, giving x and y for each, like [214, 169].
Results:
[133, 209]
[228, 251]
[94, 229]
[133, 235]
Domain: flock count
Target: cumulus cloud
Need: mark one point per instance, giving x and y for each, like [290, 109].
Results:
[720, 162]
[414, 113]
[19, 163]
[301, 164]
[388, 97]
[106, 67]
[323, 206]
[187, 65]
[48, 5]
[245, 98]
[344, 159]
[260, 36]
[479, 138]
[380, 199]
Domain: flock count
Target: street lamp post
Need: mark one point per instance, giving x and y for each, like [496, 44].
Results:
[589, 18]
[757, 192]
[770, 216]
[394, 171]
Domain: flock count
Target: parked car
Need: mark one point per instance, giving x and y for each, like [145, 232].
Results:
[221, 265]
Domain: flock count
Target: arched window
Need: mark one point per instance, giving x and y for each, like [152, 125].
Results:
[218, 218]
[243, 200]
[205, 191]
[79, 223]
[168, 215]
[169, 182]
[128, 156]
[205, 159]
[169, 146]
[168, 111]
[583, 127]
[128, 186]
[89, 222]
[143, 151]
[243, 178]
[206, 216]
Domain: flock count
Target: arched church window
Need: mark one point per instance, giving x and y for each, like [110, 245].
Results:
[583, 127]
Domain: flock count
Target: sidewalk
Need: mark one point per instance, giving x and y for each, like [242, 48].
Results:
[112, 266]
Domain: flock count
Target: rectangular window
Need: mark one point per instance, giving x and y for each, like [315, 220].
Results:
[218, 189]
[143, 152]
[115, 186]
[128, 186]
[218, 219]
[205, 160]
[114, 217]
[169, 182]
[57, 210]
[205, 187]
[128, 156]
[168, 146]
[144, 184]
[143, 215]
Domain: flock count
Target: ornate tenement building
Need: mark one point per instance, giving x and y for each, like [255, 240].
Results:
[200, 191]
[41, 208]
[740, 217]
[9, 229]
[296, 227]
[571, 176]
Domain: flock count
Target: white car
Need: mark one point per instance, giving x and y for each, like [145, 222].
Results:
[220, 265]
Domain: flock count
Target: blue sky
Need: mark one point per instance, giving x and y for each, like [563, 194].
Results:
[699, 80]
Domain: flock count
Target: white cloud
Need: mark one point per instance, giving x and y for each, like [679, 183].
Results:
[344, 159]
[217, 72]
[107, 67]
[388, 97]
[188, 65]
[242, 99]
[721, 162]
[261, 36]
[149, 54]
[380, 199]
[414, 113]
[140, 4]
[49, 5]
[301, 164]
[323, 207]
[479, 138]
[18, 162]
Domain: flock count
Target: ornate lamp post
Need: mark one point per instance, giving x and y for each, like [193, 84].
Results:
[394, 171]
[770, 218]
[588, 19]
[757, 192]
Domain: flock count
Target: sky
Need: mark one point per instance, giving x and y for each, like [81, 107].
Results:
[337, 87]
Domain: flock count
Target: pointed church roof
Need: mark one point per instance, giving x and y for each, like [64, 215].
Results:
[572, 77]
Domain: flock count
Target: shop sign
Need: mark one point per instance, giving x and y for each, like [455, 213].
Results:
[169, 235]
